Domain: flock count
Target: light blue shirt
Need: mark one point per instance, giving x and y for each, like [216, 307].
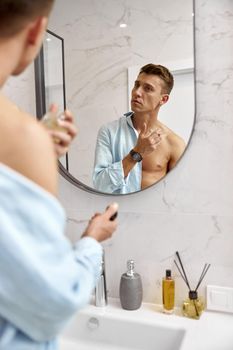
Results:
[114, 142]
[43, 279]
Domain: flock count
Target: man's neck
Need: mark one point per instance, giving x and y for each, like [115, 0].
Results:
[5, 66]
[151, 120]
[3, 74]
[9, 56]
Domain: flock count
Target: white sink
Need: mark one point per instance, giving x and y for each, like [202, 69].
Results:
[113, 328]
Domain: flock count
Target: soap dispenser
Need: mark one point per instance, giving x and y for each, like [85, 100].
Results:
[130, 288]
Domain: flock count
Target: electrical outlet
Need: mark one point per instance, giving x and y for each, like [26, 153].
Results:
[219, 298]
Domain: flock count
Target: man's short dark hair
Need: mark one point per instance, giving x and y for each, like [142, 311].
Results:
[162, 72]
[14, 14]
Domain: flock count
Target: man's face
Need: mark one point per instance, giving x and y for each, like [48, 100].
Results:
[147, 93]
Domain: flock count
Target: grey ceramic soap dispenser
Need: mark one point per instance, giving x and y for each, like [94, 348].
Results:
[130, 288]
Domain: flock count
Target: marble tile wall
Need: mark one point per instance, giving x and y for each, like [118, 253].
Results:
[191, 210]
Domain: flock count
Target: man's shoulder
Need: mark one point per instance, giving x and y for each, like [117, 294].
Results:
[19, 128]
[26, 147]
[114, 124]
[173, 138]
[176, 144]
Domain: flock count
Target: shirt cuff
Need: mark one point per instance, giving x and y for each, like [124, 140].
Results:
[91, 250]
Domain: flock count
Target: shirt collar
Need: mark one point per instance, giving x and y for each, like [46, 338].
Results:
[128, 116]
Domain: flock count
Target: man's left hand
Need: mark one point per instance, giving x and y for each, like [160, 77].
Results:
[63, 138]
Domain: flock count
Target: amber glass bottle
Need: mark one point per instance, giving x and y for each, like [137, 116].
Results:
[168, 290]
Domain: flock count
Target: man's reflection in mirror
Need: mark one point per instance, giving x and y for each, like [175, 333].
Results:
[137, 150]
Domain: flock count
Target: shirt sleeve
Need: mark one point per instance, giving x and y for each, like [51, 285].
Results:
[108, 174]
[44, 279]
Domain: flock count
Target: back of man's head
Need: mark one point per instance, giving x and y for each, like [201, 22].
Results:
[15, 14]
[162, 72]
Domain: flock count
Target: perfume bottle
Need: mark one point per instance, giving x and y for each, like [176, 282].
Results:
[50, 120]
[168, 290]
[193, 306]
[130, 288]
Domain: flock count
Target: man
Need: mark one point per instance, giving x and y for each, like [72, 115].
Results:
[44, 280]
[137, 150]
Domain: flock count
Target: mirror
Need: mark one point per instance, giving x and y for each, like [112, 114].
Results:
[105, 45]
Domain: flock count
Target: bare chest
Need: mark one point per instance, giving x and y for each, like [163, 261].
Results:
[158, 160]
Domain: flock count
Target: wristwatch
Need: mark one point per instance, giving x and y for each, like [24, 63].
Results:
[135, 156]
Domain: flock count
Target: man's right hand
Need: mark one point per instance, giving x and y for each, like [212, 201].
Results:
[148, 140]
[101, 226]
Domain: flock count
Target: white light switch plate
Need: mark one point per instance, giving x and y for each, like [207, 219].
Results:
[219, 298]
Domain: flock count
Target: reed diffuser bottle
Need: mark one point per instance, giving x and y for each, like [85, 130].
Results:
[193, 306]
[168, 289]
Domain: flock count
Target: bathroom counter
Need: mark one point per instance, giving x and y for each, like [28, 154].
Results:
[213, 331]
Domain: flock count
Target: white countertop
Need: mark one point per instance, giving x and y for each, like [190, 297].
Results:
[213, 331]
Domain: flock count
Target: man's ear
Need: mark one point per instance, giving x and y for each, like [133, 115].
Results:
[36, 31]
[32, 35]
[164, 99]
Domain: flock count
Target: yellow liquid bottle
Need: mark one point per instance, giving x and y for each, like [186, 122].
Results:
[168, 290]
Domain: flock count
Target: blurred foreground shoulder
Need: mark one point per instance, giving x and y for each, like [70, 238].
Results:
[26, 147]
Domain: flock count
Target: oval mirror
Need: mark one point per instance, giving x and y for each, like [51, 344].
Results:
[90, 63]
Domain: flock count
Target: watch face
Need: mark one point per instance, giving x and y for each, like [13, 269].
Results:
[136, 156]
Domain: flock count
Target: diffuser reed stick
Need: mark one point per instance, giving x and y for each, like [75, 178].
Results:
[205, 269]
[184, 276]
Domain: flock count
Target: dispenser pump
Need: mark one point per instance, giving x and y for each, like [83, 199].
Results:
[130, 268]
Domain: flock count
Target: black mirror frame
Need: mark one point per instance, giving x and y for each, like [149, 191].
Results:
[41, 108]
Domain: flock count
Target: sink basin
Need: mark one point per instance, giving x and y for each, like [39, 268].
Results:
[113, 328]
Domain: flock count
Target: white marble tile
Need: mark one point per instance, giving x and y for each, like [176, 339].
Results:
[152, 240]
